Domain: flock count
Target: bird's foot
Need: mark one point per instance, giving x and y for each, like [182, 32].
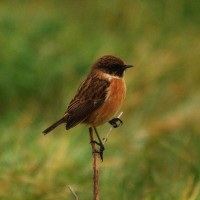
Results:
[116, 122]
[101, 149]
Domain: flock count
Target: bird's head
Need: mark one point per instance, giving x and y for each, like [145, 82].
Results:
[111, 65]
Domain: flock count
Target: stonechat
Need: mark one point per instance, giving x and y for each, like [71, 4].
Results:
[98, 98]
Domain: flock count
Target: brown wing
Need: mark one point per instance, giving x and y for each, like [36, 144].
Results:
[89, 97]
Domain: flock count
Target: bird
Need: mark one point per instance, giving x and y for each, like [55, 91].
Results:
[98, 98]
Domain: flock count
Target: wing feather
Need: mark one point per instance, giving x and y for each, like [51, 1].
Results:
[90, 96]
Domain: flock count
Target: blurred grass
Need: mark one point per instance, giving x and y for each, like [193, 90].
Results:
[47, 48]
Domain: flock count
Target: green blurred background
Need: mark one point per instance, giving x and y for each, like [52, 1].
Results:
[47, 48]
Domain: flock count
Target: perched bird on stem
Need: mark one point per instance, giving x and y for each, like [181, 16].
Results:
[98, 98]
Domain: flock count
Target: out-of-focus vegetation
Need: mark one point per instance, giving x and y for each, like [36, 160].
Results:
[47, 47]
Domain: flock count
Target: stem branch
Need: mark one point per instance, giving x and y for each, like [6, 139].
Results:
[95, 166]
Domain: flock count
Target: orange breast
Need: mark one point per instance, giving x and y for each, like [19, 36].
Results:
[114, 99]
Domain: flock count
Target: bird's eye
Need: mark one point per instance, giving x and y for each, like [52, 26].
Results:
[116, 66]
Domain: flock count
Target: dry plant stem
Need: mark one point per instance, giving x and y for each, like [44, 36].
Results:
[72, 191]
[95, 166]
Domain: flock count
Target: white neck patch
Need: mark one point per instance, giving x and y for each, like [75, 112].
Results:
[109, 76]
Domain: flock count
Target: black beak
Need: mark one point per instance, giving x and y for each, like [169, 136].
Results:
[128, 66]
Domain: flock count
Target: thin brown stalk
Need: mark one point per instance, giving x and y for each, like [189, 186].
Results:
[95, 166]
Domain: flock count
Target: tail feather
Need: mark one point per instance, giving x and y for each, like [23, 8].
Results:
[50, 128]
